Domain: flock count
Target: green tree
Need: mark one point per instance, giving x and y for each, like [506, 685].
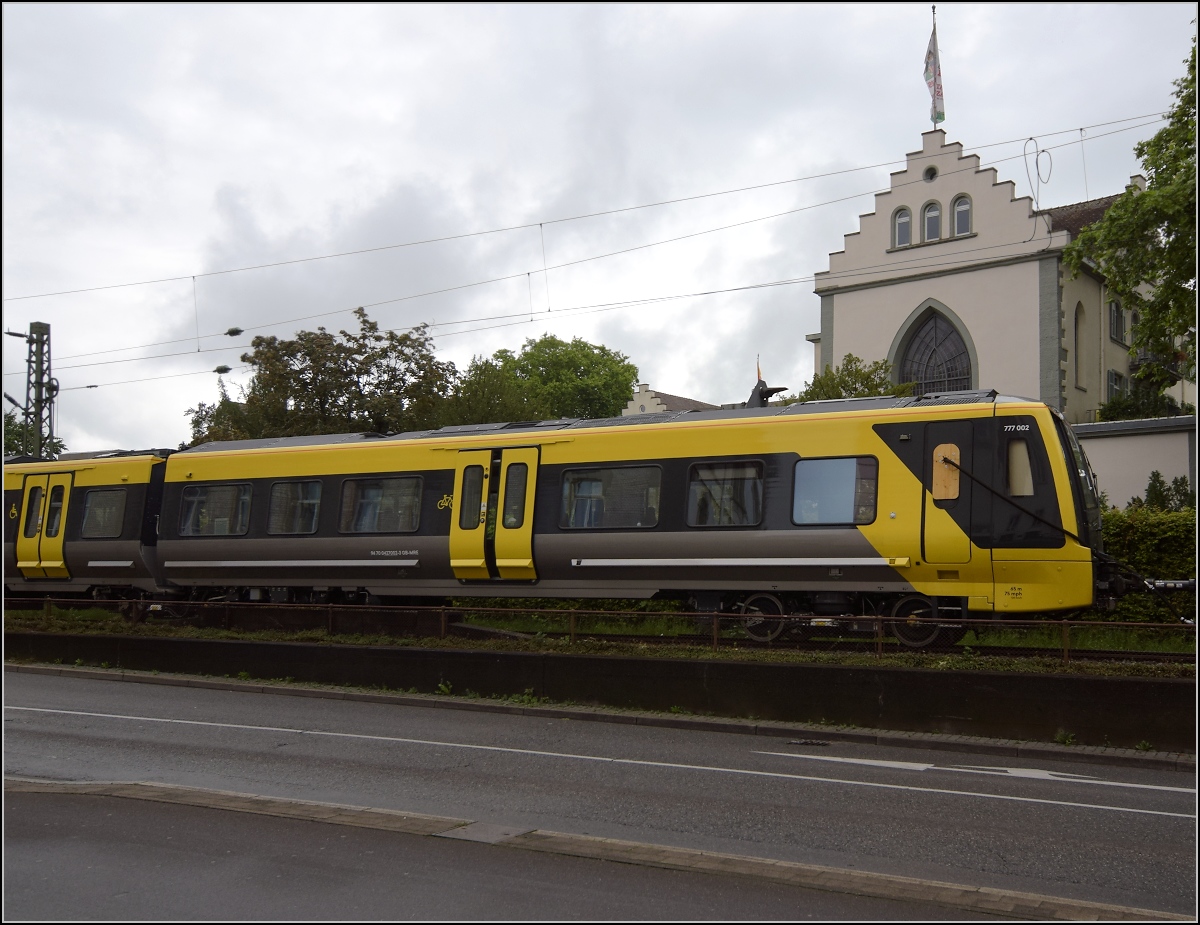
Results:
[1142, 402]
[16, 430]
[322, 383]
[549, 378]
[851, 380]
[1160, 496]
[1145, 245]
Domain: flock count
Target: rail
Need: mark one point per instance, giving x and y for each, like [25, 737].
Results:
[1073, 639]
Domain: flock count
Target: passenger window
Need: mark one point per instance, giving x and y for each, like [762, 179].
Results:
[295, 508]
[835, 491]
[469, 512]
[103, 514]
[514, 495]
[725, 495]
[1020, 470]
[381, 505]
[54, 511]
[215, 510]
[946, 458]
[617, 497]
[33, 516]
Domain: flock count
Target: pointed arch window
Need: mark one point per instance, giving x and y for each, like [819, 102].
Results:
[936, 358]
[933, 221]
[903, 228]
[962, 216]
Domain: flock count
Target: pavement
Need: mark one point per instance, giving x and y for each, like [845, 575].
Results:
[967, 898]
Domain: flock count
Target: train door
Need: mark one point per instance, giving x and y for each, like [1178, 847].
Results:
[946, 519]
[40, 538]
[491, 532]
[514, 526]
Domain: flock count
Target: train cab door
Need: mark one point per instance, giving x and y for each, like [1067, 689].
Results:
[514, 526]
[468, 526]
[946, 519]
[41, 534]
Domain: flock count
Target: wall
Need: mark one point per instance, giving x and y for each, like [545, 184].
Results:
[1124, 453]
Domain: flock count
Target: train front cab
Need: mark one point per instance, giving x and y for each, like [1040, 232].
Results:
[1005, 524]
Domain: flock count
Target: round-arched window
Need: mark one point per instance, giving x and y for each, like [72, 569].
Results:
[933, 222]
[903, 228]
[936, 358]
[962, 216]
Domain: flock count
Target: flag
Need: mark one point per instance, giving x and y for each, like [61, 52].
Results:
[933, 79]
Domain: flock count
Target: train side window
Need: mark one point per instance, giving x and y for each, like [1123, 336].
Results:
[725, 495]
[836, 491]
[617, 497]
[1020, 469]
[34, 513]
[215, 510]
[515, 479]
[103, 514]
[470, 513]
[295, 508]
[381, 505]
[54, 511]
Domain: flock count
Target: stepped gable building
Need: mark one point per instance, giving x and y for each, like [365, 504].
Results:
[959, 284]
[647, 401]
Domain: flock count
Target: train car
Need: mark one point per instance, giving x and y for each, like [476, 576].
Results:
[85, 525]
[956, 506]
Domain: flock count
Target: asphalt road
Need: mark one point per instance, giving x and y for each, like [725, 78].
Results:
[1113, 835]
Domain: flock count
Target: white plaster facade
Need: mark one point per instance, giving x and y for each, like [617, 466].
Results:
[1124, 453]
[996, 279]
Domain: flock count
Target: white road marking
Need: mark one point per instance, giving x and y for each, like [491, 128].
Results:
[1029, 773]
[625, 761]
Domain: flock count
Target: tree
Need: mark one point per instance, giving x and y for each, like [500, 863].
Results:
[1145, 245]
[321, 383]
[16, 432]
[851, 380]
[1142, 402]
[1160, 496]
[549, 378]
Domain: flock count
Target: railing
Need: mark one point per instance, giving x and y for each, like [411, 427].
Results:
[844, 633]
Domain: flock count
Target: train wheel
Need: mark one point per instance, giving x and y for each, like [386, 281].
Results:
[762, 613]
[907, 630]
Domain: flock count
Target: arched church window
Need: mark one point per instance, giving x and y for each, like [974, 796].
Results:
[962, 216]
[933, 222]
[936, 358]
[903, 228]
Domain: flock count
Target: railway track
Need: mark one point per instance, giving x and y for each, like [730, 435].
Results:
[365, 619]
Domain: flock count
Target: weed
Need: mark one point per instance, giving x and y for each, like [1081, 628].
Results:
[243, 676]
[1144, 746]
[104, 664]
[1062, 737]
[681, 710]
[445, 688]
[78, 663]
[58, 661]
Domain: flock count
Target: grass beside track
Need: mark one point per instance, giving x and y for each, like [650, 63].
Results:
[966, 657]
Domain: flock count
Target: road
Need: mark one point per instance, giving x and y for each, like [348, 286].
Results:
[1084, 832]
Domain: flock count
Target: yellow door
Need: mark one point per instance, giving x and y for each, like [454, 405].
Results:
[514, 529]
[54, 526]
[43, 526]
[468, 525]
[29, 561]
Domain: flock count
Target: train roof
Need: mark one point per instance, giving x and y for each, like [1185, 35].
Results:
[458, 430]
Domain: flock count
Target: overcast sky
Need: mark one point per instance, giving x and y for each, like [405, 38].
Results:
[152, 142]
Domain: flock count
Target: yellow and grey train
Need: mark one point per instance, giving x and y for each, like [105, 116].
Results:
[958, 506]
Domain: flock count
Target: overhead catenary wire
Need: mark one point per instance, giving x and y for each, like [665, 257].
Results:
[918, 263]
[577, 262]
[570, 218]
